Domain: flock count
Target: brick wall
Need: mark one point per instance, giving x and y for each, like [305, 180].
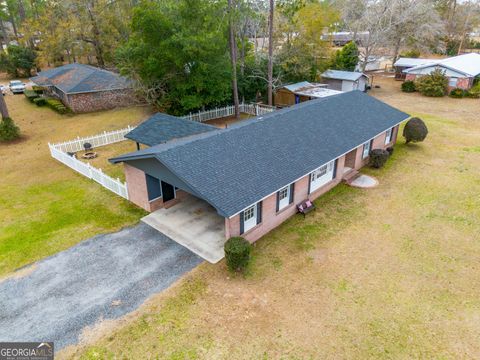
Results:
[464, 83]
[410, 77]
[137, 189]
[102, 100]
[271, 219]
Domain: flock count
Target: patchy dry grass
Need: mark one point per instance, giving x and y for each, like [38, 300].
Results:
[46, 207]
[385, 273]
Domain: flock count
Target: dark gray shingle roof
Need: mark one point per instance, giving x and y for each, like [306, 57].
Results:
[79, 78]
[161, 128]
[236, 167]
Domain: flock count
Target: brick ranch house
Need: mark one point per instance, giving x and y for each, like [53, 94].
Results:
[85, 88]
[254, 173]
[461, 70]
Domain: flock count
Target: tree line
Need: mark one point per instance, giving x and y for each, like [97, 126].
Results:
[186, 55]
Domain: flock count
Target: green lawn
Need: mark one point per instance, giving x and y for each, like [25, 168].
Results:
[45, 207]
[385, 273]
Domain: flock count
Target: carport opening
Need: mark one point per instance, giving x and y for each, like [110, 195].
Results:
[193, 223]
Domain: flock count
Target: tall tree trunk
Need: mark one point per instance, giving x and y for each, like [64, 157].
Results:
[3, 107]
[233, 55]
[270, 53]
[14, 25]
[4, 34]
[396, 50]
[242, 59]
[96, 38]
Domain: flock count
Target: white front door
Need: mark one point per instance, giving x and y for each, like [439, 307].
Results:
[250, 218]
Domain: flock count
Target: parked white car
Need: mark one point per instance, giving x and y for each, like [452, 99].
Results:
[17, 87]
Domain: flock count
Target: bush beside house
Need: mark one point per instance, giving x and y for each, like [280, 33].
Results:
[30, 95]
[56, 105]
[434, 84]
[378, 158]
[408, 86]
[237, 253]
[415, 130]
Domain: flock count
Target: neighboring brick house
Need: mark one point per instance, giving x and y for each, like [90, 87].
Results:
[461, 70]
[254, 173]
[85, 88]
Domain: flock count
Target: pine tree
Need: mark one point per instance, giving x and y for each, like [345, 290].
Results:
[8, 130]
[346, 58]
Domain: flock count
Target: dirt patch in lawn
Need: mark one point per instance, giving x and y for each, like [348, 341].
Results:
[391, 272]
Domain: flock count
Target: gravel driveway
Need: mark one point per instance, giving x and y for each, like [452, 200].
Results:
[104, 277]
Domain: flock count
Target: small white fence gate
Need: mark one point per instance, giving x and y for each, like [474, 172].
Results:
[64, 152]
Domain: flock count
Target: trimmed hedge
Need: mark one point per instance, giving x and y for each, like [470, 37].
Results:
[378, 158]
[30, 95]
[40, 101]
[408, 86]
[459, 93]
[474, 92]
[415, 130]
[237, 253]
[38, 89]
[56, 105]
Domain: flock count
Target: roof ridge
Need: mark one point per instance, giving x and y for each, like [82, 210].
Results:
[256, 120]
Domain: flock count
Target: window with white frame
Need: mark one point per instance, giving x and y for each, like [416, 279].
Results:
[322, 176]
[452, 82]
[366, 149]
[250, 218]
[388, 136]
[283, 197]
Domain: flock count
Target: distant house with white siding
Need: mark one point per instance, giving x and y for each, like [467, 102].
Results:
[461, 70]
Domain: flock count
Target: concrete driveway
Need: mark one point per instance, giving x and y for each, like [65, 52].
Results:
[194, 224]
[104, 277]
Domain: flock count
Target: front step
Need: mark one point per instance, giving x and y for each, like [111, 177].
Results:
[351, 176]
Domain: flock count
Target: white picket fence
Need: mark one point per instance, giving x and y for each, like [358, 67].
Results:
[102, 139]
[252, 109]
[60, 152]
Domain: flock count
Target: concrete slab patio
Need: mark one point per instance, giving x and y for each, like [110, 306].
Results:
[194, 224]
[104, 277]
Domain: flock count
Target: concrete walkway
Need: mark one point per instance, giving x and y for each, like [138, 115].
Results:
[104, 277]
[194, 224]
[364, 181]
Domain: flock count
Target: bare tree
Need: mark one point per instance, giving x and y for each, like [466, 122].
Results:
[233, 55]
[413, 23]
[270, 53]
[391, 24]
